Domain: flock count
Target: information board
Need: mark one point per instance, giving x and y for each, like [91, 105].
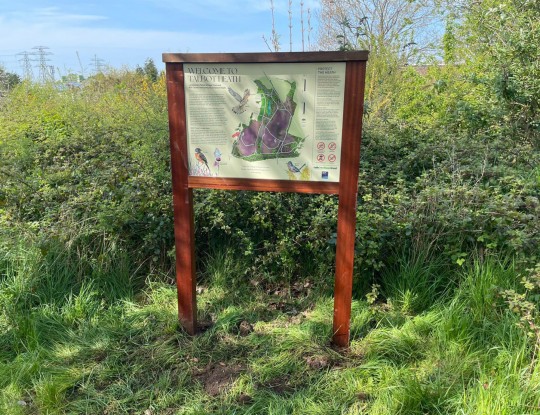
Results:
[273, 121]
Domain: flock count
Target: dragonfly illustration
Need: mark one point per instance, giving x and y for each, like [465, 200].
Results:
[241, 107]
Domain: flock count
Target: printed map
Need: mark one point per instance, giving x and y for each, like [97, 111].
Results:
[268, 135]
[277, 121]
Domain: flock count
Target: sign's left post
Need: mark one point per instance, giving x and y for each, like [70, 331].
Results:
[182, 199]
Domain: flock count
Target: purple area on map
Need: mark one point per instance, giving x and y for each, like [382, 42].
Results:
[247, 142]
[275, 132]
[279, 123]
[269, 142]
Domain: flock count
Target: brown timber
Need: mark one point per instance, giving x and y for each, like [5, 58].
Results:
[182, 200]
[258, 185]
[275, 57]
[348, 189]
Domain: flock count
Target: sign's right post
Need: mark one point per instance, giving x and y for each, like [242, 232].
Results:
[348, 190]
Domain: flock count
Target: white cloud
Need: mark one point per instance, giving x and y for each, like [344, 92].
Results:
[50, 16]
[55, 15]
[116, 47]
[23, 36]
[64, 33]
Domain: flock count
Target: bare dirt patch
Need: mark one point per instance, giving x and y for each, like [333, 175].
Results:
[245, 328]
[318, 362]
[218, 378]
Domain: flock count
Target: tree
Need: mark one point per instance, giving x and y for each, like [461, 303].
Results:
[403, 27]
[396, 32]
[150, 70]
[8, 80]
[499, 41]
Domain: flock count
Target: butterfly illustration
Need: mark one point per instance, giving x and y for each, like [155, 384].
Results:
[241, 107]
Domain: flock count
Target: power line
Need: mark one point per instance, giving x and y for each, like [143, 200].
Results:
[26, 64]
[98, 64]
[44, 68]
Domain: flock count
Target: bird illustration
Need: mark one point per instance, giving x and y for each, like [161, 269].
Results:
[241, 107]
[293, 168]
[201, 158]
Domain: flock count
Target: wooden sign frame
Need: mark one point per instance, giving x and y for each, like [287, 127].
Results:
[347, 187]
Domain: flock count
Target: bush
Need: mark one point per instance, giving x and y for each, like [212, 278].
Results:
[436, 174]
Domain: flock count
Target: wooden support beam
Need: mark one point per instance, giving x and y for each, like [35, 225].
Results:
[182, 200]
[348, 189]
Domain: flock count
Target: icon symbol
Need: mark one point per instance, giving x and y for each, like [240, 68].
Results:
[320, 157]
[320, 145]
[332, 146]
[324, 175]
[332, 158]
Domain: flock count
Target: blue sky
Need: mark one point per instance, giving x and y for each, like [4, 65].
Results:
[126, 32]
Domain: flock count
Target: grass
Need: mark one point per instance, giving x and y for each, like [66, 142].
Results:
[80, 335]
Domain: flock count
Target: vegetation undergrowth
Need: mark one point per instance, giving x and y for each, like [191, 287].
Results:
[94, 346]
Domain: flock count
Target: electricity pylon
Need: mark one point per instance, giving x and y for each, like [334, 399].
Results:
[26, 64]
[44, 68]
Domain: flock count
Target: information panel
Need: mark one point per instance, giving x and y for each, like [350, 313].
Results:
[272, 122]
[277, 121]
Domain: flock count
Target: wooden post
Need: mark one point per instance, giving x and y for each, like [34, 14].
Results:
[182, 200]
[348, 189]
